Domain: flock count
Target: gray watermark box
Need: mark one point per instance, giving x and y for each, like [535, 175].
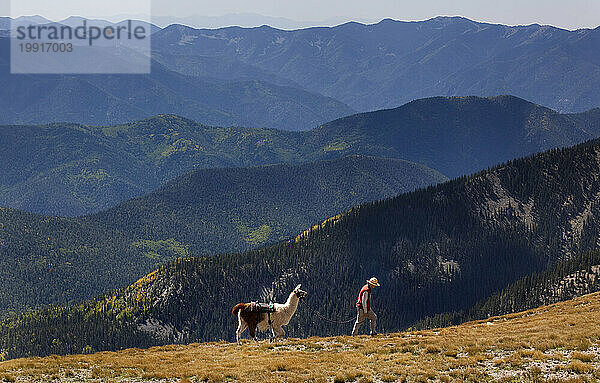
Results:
[80, 44]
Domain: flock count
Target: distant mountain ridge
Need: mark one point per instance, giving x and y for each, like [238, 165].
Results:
[327, 72]
[110, 99]
[247, 20]
[70, 169]
[392, 62]
[460, 135]
[73, 21]
[296, 80]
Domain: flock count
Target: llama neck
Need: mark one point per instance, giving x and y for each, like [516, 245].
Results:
[292, 303]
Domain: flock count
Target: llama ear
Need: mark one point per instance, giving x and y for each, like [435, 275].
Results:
[298, 287]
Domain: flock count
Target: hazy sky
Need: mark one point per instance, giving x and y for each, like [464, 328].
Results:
[569, 14]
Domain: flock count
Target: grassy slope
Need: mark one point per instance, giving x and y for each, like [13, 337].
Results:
[556, 341]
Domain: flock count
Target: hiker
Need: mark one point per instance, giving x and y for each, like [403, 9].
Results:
[363, 306]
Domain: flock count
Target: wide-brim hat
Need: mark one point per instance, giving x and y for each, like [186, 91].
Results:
[374, 282]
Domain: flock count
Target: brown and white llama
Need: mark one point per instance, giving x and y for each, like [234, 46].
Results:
[251, 319]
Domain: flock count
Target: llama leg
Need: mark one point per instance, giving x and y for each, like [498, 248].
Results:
[273, 334]
[275, 331]
[279, 332]
[252, 331]
[241, 327]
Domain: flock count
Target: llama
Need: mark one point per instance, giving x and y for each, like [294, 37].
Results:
[252, 319]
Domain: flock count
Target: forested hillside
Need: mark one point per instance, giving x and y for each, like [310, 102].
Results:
[233, 209]
[69, 169]
[51, 260]
[437, 250]
[566, 280]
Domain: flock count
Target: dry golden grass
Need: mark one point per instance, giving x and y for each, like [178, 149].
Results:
[553, 343]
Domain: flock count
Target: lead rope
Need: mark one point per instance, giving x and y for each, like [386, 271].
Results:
[330, 320]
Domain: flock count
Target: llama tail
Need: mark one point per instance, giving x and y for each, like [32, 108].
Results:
[236, 308]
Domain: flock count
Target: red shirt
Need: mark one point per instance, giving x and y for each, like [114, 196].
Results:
[359, 300]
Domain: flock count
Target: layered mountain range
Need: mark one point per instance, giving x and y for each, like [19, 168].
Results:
[390, 63]
[295, 80]
[100, 99]
[73, 169]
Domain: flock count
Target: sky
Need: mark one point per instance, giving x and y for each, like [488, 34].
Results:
[569, 14]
